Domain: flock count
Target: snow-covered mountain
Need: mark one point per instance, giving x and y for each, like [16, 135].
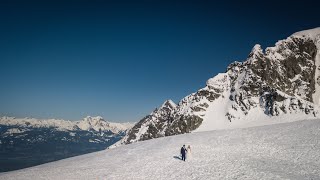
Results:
[88, 123]
[281, 151]
[153, 125]
[27, 142]
[279, 81]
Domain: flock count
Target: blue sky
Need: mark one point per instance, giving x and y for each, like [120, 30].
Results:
[122, 59]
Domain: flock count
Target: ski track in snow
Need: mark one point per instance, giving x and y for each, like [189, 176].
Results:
[281, 151]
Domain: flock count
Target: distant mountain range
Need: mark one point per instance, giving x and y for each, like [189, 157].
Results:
[280, 81]
[27, 142]
[87, 124]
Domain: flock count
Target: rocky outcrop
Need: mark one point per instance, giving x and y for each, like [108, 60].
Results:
[283, 79]
[153, 125]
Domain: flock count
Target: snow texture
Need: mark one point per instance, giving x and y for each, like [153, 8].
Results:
[281, 151]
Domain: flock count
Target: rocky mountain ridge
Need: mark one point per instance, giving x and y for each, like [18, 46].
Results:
[88, 123]
[278, 81]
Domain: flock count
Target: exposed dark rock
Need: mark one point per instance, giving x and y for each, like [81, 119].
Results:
[280, 80]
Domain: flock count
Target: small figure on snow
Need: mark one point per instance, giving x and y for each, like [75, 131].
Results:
[183, 153]
[189, 152]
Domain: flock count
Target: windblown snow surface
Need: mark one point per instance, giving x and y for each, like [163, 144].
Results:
[278, 151]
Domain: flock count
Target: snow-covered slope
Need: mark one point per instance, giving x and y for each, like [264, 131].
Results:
[280, 81]
[282, 151]
[88, 123]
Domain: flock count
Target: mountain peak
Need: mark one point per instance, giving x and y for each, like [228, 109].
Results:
[98, 123]
[311, 33]
[88, 123]
[283, 80]
[256, 51]
[218, 81]
[169, 104]
[94, 118]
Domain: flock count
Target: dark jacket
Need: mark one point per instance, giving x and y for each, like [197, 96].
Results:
[183, 151]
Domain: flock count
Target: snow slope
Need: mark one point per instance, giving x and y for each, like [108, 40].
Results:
[310, 33]
[282, 151]
[214, 119]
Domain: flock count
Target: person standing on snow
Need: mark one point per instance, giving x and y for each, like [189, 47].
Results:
[183, 153]
[189, 152]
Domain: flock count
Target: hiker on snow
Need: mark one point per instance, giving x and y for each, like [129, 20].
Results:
[183, 152]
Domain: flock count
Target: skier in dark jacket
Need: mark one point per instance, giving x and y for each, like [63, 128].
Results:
[183, 152]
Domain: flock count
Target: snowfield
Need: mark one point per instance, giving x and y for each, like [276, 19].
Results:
[279, 151]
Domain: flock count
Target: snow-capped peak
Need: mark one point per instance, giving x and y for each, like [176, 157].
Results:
[88, 123]
[96, 118]
[96, 123]
[283, 80]
[219, 81]
[311, 33]
[256, 51]
[169, 104]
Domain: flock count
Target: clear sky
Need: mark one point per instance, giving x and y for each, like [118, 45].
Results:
[121, 59]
